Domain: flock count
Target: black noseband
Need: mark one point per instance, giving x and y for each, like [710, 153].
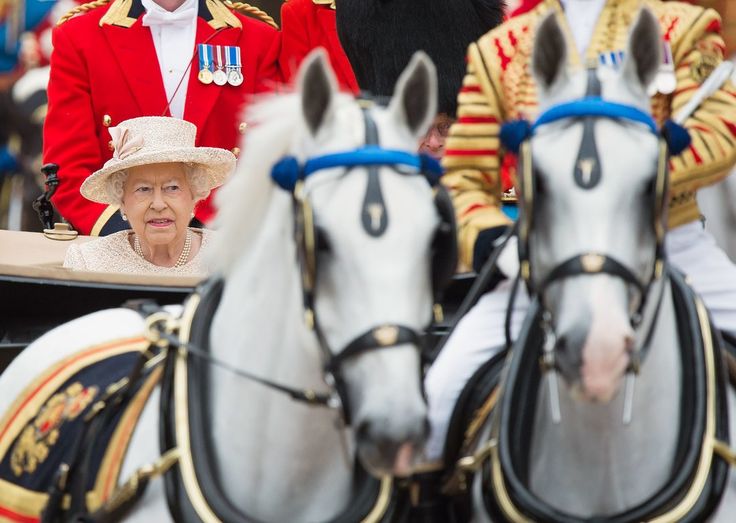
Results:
[589, 264]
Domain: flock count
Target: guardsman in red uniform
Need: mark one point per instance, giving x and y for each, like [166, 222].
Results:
[498, 87]
[306, 25]
[192, 59]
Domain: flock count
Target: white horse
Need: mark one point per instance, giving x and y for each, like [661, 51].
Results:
[274, 458]
[602, 442]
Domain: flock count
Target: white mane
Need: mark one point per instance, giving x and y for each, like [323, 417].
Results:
[242, 202]
[274, 122]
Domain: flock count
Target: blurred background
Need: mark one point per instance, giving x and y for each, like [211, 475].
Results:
[25, 49]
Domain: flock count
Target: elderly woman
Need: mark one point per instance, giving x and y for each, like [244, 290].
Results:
[156, 176]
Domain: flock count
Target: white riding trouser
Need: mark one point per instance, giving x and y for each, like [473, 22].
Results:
[480, 333]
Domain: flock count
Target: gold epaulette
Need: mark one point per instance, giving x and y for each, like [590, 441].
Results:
[328, 3]
[82, 9]
[678, 18]
[250, 10]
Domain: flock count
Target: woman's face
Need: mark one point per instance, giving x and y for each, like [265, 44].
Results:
[158, 202]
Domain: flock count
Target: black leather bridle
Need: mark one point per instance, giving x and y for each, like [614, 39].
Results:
[290, 175]
[592, 263]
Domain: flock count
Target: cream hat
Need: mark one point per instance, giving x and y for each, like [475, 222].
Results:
[157, 139]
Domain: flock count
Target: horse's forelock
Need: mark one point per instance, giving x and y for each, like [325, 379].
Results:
[242, 202]
[273, 124]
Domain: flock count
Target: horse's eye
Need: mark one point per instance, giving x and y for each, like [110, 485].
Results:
[650, 187]
[540, 184]
[323, 242]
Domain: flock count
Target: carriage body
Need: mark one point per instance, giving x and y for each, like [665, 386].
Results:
[39, 293]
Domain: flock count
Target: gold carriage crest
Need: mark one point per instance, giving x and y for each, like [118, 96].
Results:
[32, 447]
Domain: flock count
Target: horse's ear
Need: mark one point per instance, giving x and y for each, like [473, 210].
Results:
[644, 53]
[318, 87]
[414, 102]
[549, 58]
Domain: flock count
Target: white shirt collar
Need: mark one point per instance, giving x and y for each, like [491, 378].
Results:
[157, 15]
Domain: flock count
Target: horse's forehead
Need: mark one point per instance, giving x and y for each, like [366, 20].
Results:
[350, 121]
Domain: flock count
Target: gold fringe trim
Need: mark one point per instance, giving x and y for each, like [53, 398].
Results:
[253, 11]
[82, 9]
[221, 16]
[119, 14]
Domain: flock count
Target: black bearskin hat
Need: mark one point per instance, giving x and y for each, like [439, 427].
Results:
[380, 36]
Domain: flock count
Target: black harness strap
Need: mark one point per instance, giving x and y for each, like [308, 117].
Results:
[373, 213]
[201, 446]
[516, 416]
[588, 165]
[591, 264]
[384, 337]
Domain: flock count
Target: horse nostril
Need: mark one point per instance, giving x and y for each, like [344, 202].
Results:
[561, 344]
[362, 432]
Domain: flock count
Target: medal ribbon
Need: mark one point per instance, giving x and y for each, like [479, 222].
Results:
[218, 59]
[205, 57]
[232, 58]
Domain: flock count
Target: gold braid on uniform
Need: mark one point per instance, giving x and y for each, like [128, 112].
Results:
[82, 9]
[251, 10]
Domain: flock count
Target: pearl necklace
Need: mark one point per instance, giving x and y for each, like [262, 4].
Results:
[183, 257]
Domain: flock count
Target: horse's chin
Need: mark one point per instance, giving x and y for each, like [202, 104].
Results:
[599, 392]
[397, 461]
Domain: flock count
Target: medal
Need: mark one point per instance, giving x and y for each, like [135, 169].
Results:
[205, 64]
[205, 76]
[234, 78]
[219, 76]
[234, 75]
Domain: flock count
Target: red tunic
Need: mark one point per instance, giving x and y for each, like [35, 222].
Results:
[102, 75]
[306, 26]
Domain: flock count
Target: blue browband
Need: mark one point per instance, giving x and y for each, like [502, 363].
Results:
[514, 133]
[595, 106]
[288, 170]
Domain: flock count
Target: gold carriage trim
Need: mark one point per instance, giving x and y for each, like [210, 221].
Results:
[51, 406]
[103, 219]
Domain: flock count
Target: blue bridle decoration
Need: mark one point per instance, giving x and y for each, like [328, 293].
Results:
[595, 106]
[288, 170]
[514, 133]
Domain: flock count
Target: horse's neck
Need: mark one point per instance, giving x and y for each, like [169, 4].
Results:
[278, 460]
[593, 464]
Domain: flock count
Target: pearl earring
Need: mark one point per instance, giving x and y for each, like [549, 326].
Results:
[124, 217]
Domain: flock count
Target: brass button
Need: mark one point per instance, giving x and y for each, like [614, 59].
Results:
[106, 120]
[236, 151]
[242, 127]
[110, 145]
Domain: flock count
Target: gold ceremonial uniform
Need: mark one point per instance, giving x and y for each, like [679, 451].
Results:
[499, 87]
